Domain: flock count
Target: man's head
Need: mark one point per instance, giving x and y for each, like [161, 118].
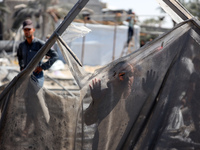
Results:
[122, 72]
[121, 77]
[28, 28]
[27, 24]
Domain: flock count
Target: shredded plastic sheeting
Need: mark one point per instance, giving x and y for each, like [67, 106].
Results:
[146, 100]
[73, 32]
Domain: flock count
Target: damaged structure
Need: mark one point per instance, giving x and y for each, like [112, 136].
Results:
[145, 100]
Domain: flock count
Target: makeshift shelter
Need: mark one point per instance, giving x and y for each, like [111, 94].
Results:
[146, 100]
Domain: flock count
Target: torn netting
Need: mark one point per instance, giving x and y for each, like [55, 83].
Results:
[35, 118]
[147, 100]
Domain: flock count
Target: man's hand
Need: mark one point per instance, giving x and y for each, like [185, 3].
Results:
[150, 81]
[95, 90]
[38, 70]
[22, 68]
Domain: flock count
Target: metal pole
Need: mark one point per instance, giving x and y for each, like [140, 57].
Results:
[175, 9]
[69, 50]
[83, 45]
[114, 40]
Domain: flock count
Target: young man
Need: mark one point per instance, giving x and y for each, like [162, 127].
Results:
[28, 48]
[131, 22]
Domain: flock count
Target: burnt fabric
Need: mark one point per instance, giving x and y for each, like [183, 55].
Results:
[146, 100]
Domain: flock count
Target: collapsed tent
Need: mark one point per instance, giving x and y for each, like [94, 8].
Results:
[146, 100]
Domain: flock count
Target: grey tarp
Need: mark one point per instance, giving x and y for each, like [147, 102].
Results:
[146, 100]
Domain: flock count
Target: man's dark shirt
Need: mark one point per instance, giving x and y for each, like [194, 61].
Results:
[26, 52]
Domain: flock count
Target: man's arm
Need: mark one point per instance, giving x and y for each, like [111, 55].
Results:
[91, 115]
[53, 57]
[20, 57]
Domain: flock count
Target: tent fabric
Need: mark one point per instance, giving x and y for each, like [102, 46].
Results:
[116, 121]
[45, 114]
[146, 100]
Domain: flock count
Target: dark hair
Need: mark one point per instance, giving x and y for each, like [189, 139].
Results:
[114, 70]
[28, 24]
